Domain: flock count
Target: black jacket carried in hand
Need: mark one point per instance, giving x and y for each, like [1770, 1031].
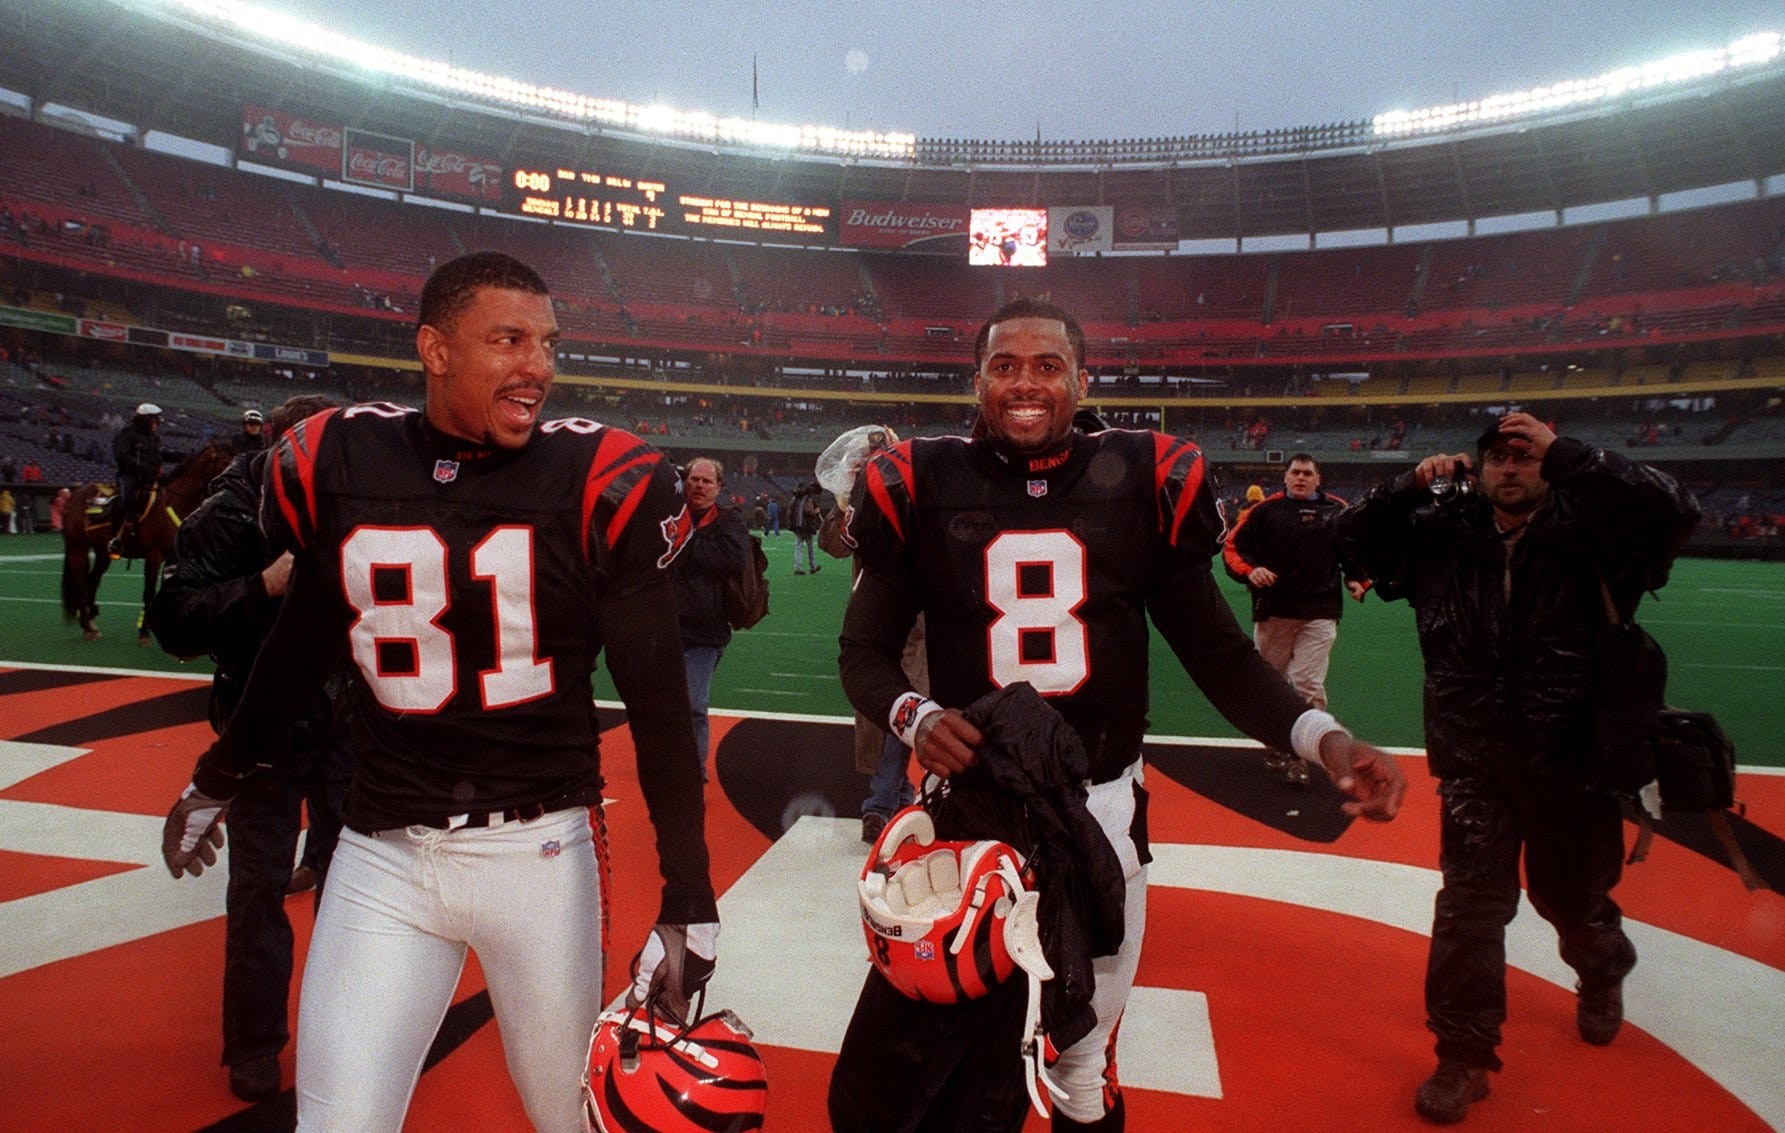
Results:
[716, 551]
[1027, 789]
[1508, 679]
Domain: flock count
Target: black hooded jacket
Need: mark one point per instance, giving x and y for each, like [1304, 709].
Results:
[1511, 648]
[137, 450]
[718, 550]
[212, 601]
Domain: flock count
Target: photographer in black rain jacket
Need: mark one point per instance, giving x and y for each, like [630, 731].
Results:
[1505, 581]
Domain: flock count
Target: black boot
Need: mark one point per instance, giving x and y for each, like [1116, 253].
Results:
[1599, 1012]
[1111, 1122]
[1447, 1095]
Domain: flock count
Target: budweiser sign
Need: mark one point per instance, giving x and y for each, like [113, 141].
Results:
[899, 224]
[462, 175]
[285, 139]
[375, 159]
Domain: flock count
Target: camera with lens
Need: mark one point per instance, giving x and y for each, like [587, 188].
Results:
[1451, 489]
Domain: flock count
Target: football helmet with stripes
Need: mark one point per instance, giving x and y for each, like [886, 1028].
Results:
[941, 917]
[648, 1073]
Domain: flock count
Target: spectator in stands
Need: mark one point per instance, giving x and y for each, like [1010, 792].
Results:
[137, 450]
[1286, 552]
[715, 552]
[31, 472]
[219, 598]
[8, 513]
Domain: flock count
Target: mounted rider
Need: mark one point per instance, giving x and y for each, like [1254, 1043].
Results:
[137, 449]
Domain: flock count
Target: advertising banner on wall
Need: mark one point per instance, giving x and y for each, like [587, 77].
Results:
[1080, 230]
[379, 160]
[459, 176]
[106, 331]
[1146, 226]
[899, 224]
[278, 138]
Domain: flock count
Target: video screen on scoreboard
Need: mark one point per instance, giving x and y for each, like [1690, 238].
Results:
[1015, 237]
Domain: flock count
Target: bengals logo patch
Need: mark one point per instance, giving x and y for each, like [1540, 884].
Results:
[677, 530]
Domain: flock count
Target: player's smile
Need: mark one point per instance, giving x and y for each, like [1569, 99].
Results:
[1029, 384]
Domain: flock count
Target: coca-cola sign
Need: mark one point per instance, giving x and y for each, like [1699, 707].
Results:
[899, 224]
[278, 138]
[465, 176]
[379, 160]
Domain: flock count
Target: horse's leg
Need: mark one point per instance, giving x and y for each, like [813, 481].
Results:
[151, 580]
[100, 563]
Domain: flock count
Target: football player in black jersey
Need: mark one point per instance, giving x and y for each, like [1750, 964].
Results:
[472, 561]
[1036, 553]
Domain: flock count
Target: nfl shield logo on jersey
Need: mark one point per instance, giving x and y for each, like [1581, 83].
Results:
[446, 471]
[1038, 488]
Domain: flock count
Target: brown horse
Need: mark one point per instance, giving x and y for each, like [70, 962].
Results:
[87, 529]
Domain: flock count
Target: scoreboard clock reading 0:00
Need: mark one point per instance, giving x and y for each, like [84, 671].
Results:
[587, 197]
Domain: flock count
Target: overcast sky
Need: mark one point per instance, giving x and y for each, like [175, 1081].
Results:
[1079, 71]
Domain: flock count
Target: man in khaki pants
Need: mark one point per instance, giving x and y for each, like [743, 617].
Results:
[1283, 549]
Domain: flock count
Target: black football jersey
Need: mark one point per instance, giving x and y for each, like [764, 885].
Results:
[468, 583]
[1041, 571]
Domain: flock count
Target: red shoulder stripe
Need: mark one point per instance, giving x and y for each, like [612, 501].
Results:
[616, 454]
[899, 458]
[1168, 454]
[305, 442]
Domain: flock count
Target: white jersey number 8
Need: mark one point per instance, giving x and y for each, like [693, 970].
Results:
[1036, 582]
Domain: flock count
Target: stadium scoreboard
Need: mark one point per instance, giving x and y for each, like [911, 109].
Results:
[581, 196]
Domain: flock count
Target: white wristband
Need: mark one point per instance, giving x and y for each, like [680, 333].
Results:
[1310, 728]
[908, 711]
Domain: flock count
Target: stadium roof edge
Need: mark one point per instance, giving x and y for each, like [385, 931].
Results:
[1088, 155]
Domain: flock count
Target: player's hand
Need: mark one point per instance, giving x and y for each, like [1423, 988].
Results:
[1442, 464]
[277, 576]
[1357, 590]
[676, 962]
[192, 834]
[1366, 773]
[1261, 577]
[946, 743]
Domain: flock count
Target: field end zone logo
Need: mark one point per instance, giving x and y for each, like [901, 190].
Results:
[1691, 1003]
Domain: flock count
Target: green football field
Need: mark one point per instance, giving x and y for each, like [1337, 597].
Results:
[1721, 622]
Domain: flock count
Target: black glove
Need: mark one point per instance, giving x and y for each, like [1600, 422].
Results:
[675, 963]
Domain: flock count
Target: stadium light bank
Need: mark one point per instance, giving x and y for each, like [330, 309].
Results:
[1685, 67]
[296, 34]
